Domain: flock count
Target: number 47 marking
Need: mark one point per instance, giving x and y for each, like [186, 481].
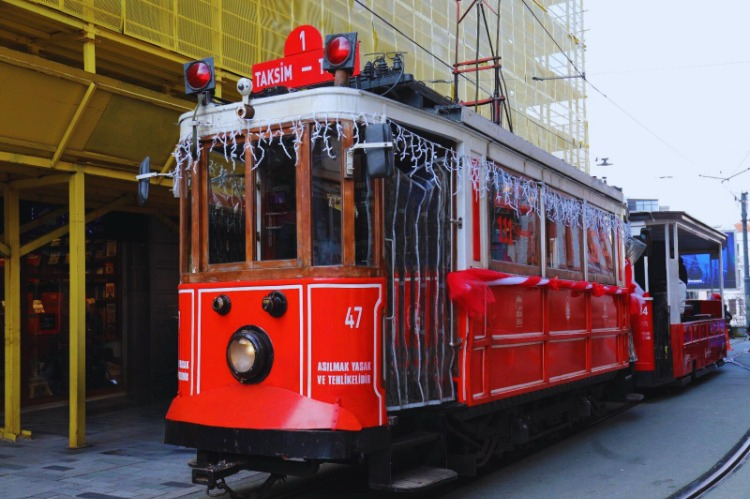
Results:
[350, 320]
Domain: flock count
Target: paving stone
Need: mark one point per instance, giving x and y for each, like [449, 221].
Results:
[124, 458]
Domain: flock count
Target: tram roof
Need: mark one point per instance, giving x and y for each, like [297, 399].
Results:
[693, 235]
[351, 103]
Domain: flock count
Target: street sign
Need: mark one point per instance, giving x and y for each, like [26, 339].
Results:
[302, 64]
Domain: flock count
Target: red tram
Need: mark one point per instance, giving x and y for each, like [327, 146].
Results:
[373, 278]
[676, 339]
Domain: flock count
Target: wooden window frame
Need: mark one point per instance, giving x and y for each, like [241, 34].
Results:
[194, 264]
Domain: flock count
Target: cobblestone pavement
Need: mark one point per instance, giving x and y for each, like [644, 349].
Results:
[124, 457]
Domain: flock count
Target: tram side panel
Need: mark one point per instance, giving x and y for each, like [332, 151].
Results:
[533, 338]
[698, 345]
[531, 333]
[609, 332]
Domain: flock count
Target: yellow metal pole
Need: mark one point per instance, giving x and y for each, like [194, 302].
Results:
[12, 428]
[77, 246]
[218, 46]
[89, 48]
[73, 123]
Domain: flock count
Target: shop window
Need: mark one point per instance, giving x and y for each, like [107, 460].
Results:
[226, 206]
[103, 333]
[46, 325]
[276, 201]
[326, 202]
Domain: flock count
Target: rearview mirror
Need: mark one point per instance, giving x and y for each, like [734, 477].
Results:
[143, 180]
[378, 152]
[379, 159]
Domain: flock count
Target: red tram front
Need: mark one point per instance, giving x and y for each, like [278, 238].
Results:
[360, 276]
[676, 338]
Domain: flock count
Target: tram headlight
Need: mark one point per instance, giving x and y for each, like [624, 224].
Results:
[250, 354]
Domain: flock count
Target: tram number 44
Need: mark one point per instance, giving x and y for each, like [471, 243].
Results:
[353, 316]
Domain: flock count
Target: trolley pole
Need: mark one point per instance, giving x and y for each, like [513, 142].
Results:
[743, 200]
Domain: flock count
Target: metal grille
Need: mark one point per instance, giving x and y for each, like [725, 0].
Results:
[107, 13]
[417, 327]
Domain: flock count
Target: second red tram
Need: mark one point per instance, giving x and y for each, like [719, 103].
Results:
[373, 278]
[677, 339]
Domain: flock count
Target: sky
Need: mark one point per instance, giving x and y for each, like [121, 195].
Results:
[669, 101]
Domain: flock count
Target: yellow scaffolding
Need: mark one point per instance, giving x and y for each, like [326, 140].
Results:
[540, 41]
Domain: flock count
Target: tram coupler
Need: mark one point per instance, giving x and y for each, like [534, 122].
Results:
[211, 469]
[211, 475]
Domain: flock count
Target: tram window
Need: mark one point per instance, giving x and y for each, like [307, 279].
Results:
[600, 245]
[185, 187]
[564, 247]
[514, 233]
[364, 215]
[276, 201]
[226, 206]
[326, 203]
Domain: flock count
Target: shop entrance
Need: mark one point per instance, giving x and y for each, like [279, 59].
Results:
[45, 330]
[114, 333]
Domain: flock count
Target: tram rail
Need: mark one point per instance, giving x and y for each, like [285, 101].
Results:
[732, 461]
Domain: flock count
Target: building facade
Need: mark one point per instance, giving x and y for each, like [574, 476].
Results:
[735, 297]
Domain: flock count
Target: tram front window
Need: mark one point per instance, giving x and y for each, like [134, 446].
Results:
[364, 215]
[276, 201]
[326, 203]
[226, 206]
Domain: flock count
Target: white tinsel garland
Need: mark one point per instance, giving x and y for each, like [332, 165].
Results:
[424, 157]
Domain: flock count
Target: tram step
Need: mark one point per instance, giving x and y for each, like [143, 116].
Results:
[414, 440]
[412, 462]
[634, 398]
[419, 478]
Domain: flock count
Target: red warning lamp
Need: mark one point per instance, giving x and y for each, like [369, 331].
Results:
[199, 76]
[340, 52]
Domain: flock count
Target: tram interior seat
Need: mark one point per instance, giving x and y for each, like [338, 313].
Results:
[702, 310]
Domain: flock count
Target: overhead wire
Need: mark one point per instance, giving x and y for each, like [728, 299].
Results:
[741, 162]
[672, 68]
[597, 90]
[533, 14]
[567, 57]
[394, 28]
[554, 133]
[725, 180]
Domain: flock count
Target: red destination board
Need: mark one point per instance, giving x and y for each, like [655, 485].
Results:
[302, 64]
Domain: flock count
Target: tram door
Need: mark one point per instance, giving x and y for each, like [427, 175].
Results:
[657, 279]
[418, 257]
[662, 343]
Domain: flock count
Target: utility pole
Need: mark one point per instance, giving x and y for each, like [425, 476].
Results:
[743, 200]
